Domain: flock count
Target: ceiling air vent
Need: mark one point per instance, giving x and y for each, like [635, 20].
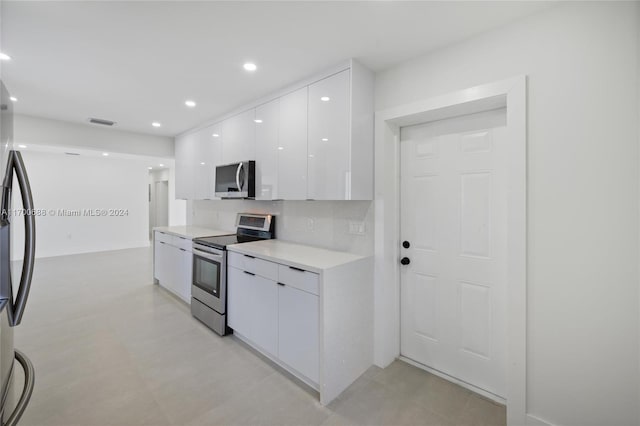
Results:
[101, 121]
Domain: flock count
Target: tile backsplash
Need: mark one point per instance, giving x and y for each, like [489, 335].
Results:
[337, 225]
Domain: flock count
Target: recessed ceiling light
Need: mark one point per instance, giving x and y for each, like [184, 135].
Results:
[150, 168]
[4, 57]
[156, 124]
[13, 99]
[311, 156]
[250, 66]
[202, 164]
[325, 99]
[258, 121]
[280, 148]
[190, 103]
[106, 154]
[22, 146]
[215, 135]
[325, 139]
[161, 165]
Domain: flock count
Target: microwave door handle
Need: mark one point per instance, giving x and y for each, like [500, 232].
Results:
[30, 240]
[238, 183]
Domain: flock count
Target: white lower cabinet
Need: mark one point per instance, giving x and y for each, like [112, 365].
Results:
[309, 310]
[298, 340]
[276, 317]
[185, 273]
[173, 264]
[252, 305]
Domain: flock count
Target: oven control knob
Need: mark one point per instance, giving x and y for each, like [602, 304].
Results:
[406, 244]
[405, 261]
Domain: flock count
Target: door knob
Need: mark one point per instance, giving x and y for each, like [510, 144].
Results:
[405, 261]
[406, 244]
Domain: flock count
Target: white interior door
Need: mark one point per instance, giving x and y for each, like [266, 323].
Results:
[454, 216]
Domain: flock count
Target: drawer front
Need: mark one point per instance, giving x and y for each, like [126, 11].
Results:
[182, 243]
[300, 279]
[164, 238]
[264, 268]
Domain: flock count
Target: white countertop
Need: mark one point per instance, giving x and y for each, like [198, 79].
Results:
[191, 232]
[310, 258]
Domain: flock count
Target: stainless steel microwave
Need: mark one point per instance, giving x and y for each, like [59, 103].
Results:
[236, 180]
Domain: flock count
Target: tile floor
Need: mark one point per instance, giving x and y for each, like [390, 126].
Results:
[111, 348]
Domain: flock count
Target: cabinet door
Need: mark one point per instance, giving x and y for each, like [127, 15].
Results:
[298, 334]
[216, 135]
[207, 153]
[159, 261]
[186, 267]
[264, 321]
[239, 138]
[252, 308]
[267, 150]
[329, 138]
[239, 301]
[292, 146]
[185, 147]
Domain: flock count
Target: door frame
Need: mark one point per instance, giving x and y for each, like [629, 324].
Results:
[512, 94]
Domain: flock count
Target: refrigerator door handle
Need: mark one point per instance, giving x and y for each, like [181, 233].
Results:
[15, 314]
[25, 396]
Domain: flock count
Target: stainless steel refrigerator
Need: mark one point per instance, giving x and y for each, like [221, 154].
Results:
[14, 291]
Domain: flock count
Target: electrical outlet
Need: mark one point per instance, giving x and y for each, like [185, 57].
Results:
[357, 227]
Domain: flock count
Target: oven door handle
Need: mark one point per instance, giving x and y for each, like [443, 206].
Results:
[210, 256]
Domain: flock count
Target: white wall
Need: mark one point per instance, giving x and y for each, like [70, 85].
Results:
[317, 223]
[177, 208]
[42, 131]
[583, 109]
[60, 181]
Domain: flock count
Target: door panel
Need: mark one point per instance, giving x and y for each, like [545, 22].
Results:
[292, 146]
[298, 335]
[267, 132]
[453, 293]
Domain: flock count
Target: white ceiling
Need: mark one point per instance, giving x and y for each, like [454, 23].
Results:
[138, 61]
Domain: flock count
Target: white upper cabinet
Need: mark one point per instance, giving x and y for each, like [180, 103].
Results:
[314, 142]
[239, 141]
[197, 153]
[185, 147]
[208, 153]
[267, 134]
[292, 146]
[329, 138]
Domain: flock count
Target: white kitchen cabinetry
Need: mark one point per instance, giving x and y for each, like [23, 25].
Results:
[197, 153]
[329, 138]
[298, 337]
[341, 136]
[292, 146]
[239, 141]
[172, 266]
[207, 154]
[319, 325]
[253, 308]
[311, 141]
[185, 148]
[267, 135]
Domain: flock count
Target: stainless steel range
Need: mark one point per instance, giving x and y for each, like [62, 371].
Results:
[209, 283]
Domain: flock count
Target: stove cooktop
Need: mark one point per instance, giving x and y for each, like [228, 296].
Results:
[222, 241]
[250, 227]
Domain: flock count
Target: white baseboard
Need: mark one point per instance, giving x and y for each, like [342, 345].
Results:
[68, 251]
[535, 421]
